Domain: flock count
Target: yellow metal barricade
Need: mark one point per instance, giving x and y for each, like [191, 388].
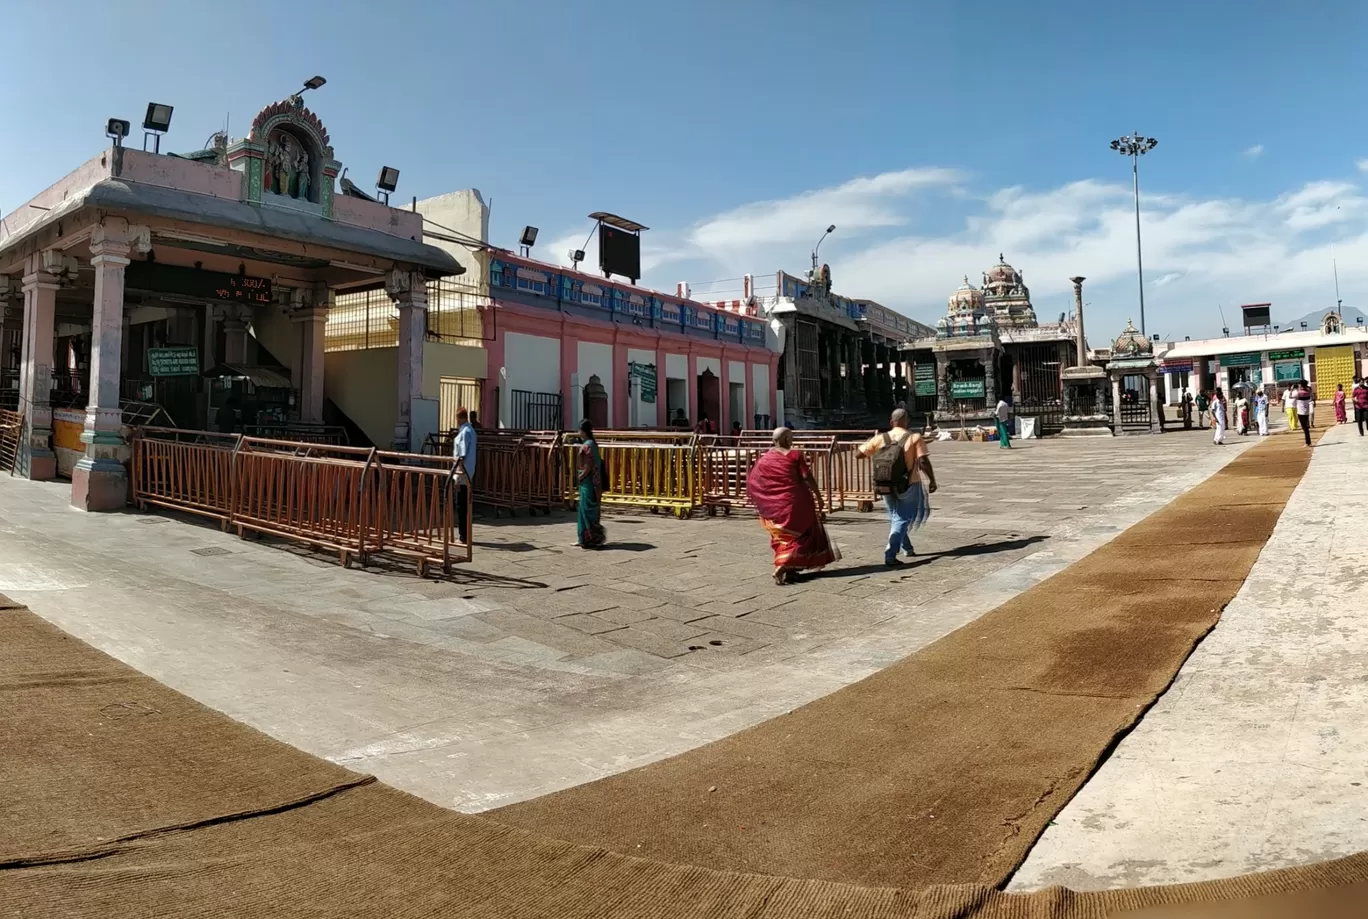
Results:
[655, 476]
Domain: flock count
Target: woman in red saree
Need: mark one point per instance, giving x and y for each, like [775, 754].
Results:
[782, 489]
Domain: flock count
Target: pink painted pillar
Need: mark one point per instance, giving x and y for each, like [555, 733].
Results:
[692, 403]
[100, 481]
[408, 289]
[662, 415]
[724, 396]
[36, 459]
[570, 398]
[620, 417]
[489, 399]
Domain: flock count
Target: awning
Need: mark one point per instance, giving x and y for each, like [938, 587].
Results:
[261, 377]
[173, 204]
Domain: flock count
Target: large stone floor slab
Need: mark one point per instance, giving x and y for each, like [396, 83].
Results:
[540, 666]
[1257, 756]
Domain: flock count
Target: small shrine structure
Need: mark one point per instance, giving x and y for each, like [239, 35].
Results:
[1085, 394]
[1134, 374]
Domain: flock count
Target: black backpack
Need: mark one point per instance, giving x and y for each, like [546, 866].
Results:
[890, 466]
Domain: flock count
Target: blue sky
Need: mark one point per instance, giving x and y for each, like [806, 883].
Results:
[934, 135]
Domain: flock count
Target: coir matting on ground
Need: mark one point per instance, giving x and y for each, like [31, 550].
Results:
[912, 793]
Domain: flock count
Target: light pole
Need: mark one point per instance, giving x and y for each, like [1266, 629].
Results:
[1136, 146]
[831, 229]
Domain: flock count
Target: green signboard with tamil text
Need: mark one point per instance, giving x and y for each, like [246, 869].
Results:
[179, 361]
[1287, 372]
[1241, 360]
[966, 389]
[646, 376]
[1295, 354]
[924, 377]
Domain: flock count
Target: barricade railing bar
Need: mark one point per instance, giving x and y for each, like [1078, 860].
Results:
[185, 470]
[300, 432]
[11, 436]
[422, 503]
[355, 501]
[674, 471]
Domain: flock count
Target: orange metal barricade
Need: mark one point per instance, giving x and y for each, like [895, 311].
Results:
[418, 510]
[11, 434]
[724, 468]
[323, 496]
[184, 470]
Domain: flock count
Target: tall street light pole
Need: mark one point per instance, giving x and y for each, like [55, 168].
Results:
[829, 230]
[1136, 146]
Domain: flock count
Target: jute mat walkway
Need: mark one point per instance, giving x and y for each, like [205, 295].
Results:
[123, 798]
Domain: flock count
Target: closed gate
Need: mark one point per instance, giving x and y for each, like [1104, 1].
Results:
[535, 411]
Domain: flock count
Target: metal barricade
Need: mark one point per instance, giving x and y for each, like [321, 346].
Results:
[654, 476]
[421, 502]
[11, 435]
[844, 476]
[324, 496]
[725, 467]
[184, 470]
[300, 432]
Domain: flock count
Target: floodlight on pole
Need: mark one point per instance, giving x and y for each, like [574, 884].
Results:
[829, 230]
[156, 123]
[1135, 146]
[387, 181]
[528, 240]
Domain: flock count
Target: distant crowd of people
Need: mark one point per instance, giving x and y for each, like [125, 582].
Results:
[1246, 414]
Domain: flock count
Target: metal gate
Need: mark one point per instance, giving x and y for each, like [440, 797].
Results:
[1135, 402]
[806, 348]
[535, 411]
[11, 432]
[457, 393]
[1049, 415]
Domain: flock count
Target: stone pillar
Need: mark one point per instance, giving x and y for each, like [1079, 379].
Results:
[886, 388]
[36, 459]
[1156, 417]
[234, 336]
[990, 393]
[1116, 405]
[408, 290]
[1081, 350]
[860, 396]
[309, 313]
[100, 480]
[943, 403]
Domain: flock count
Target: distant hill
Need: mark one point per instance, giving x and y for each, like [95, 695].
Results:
[1313, 319]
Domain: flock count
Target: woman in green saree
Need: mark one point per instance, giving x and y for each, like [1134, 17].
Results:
[589, 476]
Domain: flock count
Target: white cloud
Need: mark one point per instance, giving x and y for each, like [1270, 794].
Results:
[1253, 152]
[1362, 164]
[906, 238]
[860, 204]
[1199, 253]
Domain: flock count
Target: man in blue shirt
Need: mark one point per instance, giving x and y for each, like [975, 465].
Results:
[463, 448]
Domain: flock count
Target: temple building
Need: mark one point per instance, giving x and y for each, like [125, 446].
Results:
[989, 344]
[841, 364]
[202, 284]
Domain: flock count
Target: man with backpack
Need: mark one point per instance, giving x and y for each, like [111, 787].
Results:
[900, 460]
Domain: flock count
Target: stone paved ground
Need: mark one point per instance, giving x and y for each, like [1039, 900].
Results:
[540, 666]
[1257, 756]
